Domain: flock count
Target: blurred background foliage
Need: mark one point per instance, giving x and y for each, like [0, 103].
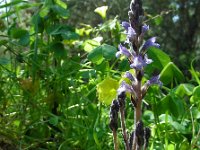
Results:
[55, 55]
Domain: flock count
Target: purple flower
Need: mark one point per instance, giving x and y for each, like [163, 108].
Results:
[129, 76]
[123, 50]
[150, 42]
[145, 28]
[139, 62]
[126, 25]
[124, 87]
[154, 80]
[131, 34]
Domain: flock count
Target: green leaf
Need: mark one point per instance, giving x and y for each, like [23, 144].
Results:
[179, 127]
[107, 90]
[59, 50]
[96, 55]
[171, 104]
[62, 12]
[69, 35]
[101, 11]
[61, 3]
[158, 20]
[184, 89]
[171, 73]
[20, 34]
[160, 59]
[102, 52]
[195, 95]
[89, 45]
[44, 11]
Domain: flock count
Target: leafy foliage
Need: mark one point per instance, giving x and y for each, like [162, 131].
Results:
[52, 69]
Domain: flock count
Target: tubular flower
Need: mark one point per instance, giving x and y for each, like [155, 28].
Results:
[124, 87]
[123, 50]
[126, 25]
[154, 80]
[145, 28]
[129, 76]
[149, 43]
[131, 34]
[139, 62]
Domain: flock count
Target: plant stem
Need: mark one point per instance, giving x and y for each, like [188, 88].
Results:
[137, 114]
[115, 140]
[125, 136]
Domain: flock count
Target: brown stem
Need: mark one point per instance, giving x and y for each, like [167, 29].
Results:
[125, 136]
[137, 114]
[115, 140]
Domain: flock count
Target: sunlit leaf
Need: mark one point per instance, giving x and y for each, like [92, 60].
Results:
[101, 11]
[184, 89]
[102, 52]
[171, 73]
[107, 90]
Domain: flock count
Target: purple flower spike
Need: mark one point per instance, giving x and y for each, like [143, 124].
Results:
[150, 42]
[126, 25]
[139, 62]
[129, 76]
[124, 87]
[145, 28]
[155, 80]
[123, 50]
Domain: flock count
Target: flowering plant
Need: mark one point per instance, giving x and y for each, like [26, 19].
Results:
[135, 30]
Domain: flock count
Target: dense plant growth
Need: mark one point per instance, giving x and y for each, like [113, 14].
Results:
[59, 75]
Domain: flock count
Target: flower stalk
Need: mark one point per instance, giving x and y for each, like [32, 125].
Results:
[136, 54]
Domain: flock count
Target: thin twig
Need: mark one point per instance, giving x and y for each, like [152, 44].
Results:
[125, 136]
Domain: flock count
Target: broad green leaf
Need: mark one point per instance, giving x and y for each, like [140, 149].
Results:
[102, 52]
[171, 104]
[160, 58]
[20, 34]
[107, 90]
[89, 45]
[96, 55]
[62, 12]
[179, 127]
[108, 51]
[184, 89]
[101, 11]
[171, 73]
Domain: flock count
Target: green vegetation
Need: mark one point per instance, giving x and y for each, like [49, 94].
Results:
[59, 74]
